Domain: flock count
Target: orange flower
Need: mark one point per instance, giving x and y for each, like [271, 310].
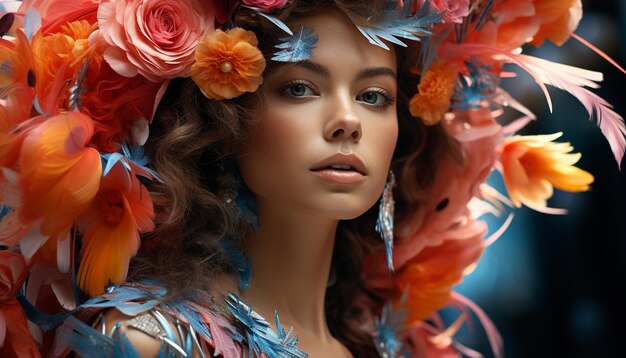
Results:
[435, 91]
[16, 81]
[533, 165]
[59, 57]
[432, 273]
[228, 64]
[559, 18]
[111, 226]
[59, 174]
[535, 21]
[115, 102]
[15, 337]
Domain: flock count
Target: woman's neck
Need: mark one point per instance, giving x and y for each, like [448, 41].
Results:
[291, 257]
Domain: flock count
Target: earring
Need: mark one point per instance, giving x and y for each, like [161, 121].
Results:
[384, 223]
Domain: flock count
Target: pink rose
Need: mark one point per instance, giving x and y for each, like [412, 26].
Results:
[155, 38]
[266, 4]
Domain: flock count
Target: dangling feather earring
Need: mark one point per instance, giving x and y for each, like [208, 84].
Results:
[384, 224]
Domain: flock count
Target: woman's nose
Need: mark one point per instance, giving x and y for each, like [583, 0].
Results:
[344, 123]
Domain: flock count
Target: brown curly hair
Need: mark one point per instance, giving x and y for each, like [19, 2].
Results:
[192, 142]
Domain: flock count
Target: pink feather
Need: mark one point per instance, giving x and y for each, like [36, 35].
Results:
[599, 52]
[574, 80]
[495, 339]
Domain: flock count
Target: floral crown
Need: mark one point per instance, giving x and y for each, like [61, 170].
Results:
[80, 81]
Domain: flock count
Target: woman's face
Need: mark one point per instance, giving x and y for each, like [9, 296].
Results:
[325, 140]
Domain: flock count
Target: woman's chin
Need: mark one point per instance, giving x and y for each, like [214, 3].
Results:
[343, 208]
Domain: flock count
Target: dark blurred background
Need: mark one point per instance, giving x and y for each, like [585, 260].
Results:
[556, 285]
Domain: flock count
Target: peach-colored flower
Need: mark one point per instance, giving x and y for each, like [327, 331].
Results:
[533, 165]
[228, 64]
[155, 38]
[435, 92]
[111, 226]
[266, 4]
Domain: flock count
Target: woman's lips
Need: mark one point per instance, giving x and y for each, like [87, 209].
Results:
[339, 176]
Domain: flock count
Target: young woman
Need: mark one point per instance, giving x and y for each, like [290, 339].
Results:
[279, 165]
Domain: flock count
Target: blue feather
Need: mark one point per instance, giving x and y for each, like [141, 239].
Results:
[259, 334]
[389, 326]
[122, 347]
[392, 25]
[239, 261]
[298, 47]
[112, 159]
[272, 19]
[45, 321]
[481, 86]
[88, 342]
[32, 22]
[134, 155]
[137, 156]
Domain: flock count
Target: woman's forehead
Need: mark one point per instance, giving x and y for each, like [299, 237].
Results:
[341, 44]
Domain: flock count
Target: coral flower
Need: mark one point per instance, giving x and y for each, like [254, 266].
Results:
[435, 91]
[533, 165]
[111, 226]
[228, 64]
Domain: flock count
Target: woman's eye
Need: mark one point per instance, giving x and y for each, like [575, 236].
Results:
[298, 89]
[376, 98]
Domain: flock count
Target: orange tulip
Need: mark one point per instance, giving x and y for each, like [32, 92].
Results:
[228, 64]
[533, 165]
[111, 226]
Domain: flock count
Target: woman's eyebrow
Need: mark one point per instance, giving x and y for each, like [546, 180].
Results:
[364, 73]
[375, 72]
[314, 67]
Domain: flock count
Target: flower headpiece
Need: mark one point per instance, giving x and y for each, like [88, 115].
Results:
[80, 81]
